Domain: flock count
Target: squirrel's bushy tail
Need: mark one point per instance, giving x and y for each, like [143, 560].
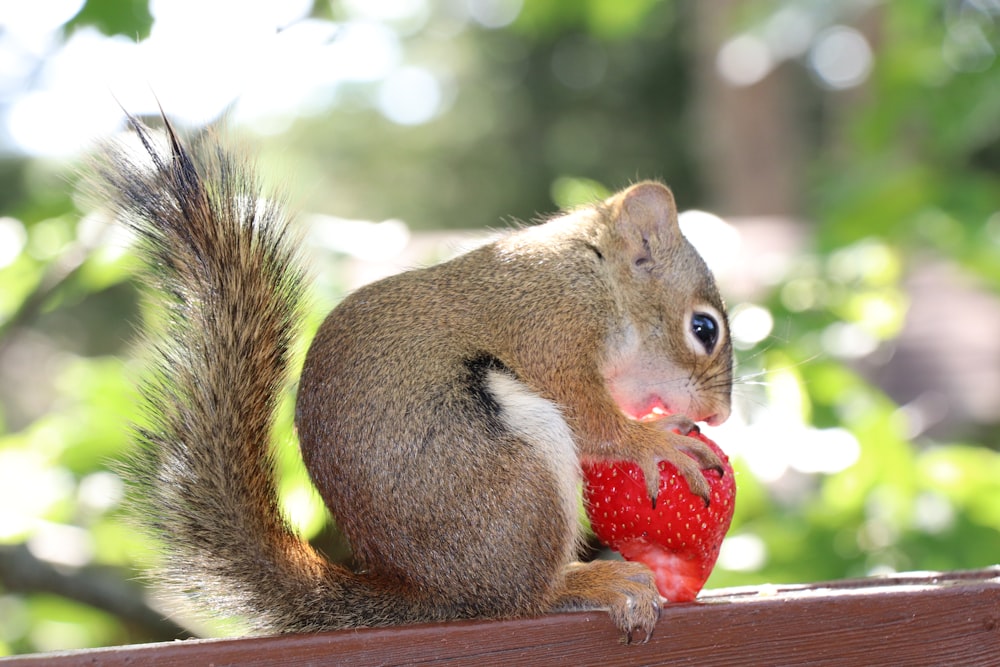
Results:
[224, 263]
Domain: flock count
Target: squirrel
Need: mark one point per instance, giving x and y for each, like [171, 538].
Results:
[442, 413]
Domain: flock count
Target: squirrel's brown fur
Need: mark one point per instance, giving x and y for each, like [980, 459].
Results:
[442, 412]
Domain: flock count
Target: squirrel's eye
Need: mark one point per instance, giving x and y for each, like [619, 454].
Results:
[705, 329]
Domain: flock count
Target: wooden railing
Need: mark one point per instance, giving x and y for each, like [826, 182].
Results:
[915, 619]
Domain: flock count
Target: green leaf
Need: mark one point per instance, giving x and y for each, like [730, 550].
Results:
[130, 18]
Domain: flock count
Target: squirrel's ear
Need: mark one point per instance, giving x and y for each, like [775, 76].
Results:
[646, 218]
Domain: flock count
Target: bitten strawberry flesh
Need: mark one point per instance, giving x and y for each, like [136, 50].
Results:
[679, 540]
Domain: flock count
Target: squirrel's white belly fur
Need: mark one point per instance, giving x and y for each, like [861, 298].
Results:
[540, 423]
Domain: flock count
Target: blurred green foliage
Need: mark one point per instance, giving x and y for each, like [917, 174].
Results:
[912, 171]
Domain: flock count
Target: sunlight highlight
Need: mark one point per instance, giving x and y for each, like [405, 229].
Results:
[13, 237]
[841, 57]
[410, 96]
[717, 241]
[750, 324]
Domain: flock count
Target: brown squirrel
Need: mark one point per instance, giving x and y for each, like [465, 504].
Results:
[442, 413]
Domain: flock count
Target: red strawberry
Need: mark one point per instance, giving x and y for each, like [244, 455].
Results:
[680, 539]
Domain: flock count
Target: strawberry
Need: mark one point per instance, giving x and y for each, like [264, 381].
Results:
[679, 540]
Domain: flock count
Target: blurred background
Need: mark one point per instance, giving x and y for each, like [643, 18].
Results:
[840, 160]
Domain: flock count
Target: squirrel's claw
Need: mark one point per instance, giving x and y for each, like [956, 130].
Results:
[703, 454]
[651, 473]
[690, 456]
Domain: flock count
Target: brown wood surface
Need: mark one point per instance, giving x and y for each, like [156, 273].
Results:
[915, 619]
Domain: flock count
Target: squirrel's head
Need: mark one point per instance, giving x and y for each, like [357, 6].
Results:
[671, 351]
